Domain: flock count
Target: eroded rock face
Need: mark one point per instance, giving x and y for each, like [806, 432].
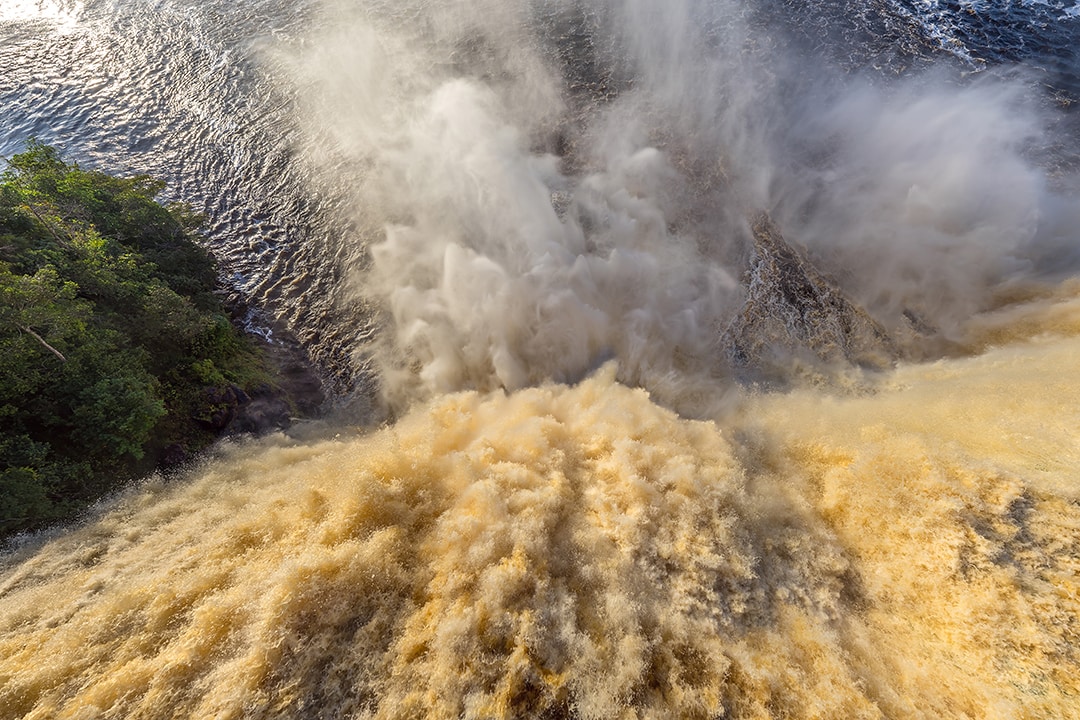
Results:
[793, 313]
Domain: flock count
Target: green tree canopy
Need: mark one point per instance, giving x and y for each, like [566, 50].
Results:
[110, 334]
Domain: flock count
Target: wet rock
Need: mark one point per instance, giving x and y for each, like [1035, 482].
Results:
[173, 456]
[295, 374]
[296, 377]
[793, 313]
[220, 406]
[228, 410]
[266, 411]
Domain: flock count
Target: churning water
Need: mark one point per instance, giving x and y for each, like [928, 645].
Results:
[521, 228]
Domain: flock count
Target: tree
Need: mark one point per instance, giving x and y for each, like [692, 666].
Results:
[41, 301]
[109, 335]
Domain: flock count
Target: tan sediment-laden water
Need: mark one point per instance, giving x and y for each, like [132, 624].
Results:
[579, 551]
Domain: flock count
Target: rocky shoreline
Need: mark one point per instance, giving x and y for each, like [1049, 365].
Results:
[296, 391]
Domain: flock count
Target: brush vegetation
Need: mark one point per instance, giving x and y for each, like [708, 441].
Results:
[111, 336]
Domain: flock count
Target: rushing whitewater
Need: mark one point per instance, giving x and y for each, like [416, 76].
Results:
[580, 552]
[565, 236]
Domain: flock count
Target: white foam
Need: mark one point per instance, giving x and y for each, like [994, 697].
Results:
[63, 15]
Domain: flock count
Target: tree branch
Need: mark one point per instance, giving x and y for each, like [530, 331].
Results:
[48, 227]
[41, 340]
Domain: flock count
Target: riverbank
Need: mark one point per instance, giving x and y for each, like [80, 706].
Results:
[119, 355]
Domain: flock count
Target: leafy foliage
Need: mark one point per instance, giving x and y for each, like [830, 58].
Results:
[109, 335]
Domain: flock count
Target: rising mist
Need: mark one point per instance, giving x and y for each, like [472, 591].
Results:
[541, 187]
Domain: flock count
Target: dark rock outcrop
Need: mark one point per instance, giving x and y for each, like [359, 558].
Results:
[792, 313]
[174, 456]
[267, 410]
[219, 407]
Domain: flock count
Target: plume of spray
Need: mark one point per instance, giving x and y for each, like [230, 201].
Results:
[925, 199]
[539, 187]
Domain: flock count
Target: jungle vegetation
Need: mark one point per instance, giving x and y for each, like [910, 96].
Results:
[111, 337]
